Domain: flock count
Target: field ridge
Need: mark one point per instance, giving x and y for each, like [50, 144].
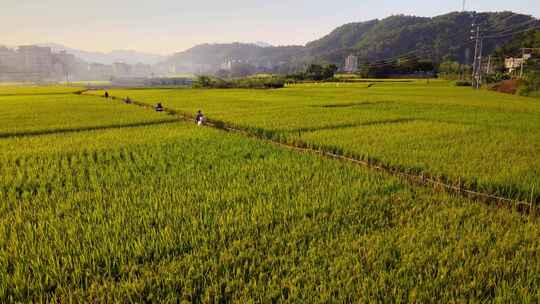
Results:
[84, 129]
[423, 179]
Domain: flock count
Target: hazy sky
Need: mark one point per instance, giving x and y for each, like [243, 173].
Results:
[166, 26]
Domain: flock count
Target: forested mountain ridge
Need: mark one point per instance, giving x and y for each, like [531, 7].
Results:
[445, 36]
[438, 38]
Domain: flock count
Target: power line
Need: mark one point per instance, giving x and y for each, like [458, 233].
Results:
[388, 62]
[381, 62]
[391, 60]
[511, 34]
[408, 55]
[513, 27]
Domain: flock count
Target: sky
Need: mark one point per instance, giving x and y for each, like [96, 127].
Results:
[168, 26]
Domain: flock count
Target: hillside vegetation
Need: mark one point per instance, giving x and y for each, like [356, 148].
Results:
[438, 38]
[445, 36]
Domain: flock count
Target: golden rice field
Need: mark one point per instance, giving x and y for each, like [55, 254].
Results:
[106, 202]
[488, 141]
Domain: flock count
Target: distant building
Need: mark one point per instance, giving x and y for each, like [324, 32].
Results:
[36, 61]
[194, 68]
[230, 64]
[121, 69]
[227, 65]
[142, 70]
[9, 57]
[512, 64]
[98, 71]
[65, 65]
[351, 64]
[9, 64]
[33, 63]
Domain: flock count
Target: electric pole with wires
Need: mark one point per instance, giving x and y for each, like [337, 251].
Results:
[477, 55]
[480, 66]
[522, 62]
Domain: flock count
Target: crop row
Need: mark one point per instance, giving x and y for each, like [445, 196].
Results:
[29, 90]
[43, 114]
[488, 141]
[173, 212]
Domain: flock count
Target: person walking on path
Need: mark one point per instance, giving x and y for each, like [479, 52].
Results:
[199, 118]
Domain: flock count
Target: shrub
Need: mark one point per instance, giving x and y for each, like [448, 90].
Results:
[463, 83]
[497, 77]
[244, 83]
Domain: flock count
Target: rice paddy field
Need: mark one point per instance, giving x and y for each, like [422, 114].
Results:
[486, 140]
[110, 202]
[27, 115]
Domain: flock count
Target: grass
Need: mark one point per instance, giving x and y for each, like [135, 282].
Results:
[175, 212]
[488, 140]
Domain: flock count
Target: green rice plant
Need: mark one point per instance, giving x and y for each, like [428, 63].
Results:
[44, 114]
[489, 141]
[19, 90]
[175, 212]
[499, 163]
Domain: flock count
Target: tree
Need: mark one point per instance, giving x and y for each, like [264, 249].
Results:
[204, 82]
[314, 72]
[329, 71]
[242, 70]
[454, 70]
[223, 73]
[531, 84]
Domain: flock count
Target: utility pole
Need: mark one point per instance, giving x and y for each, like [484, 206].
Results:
[464, 3]
[489, 65]
[522, 61]
[479, 69]
[476, 50]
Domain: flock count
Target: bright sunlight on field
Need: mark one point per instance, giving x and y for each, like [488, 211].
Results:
[102, 201]
[487, 140]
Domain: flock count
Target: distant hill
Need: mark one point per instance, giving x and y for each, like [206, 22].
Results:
[438, 38]
[529, 39]
[126, 56]
[210, 57]
[434, 38]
